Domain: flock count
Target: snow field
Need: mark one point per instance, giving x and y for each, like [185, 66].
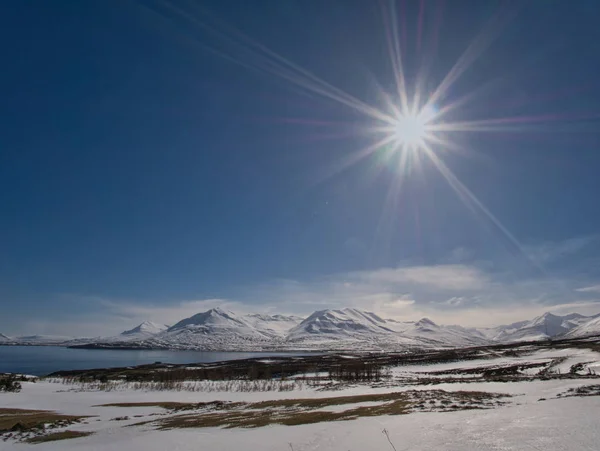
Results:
[533, 418]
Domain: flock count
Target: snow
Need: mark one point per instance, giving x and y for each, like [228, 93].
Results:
[590, 327]
[359, 329]
[566, 358]
[346, 323]
[146, 328]
[555, 424]
[426, 330]
[40, 339]
[533, 418]
[542, 327]
[273, 325]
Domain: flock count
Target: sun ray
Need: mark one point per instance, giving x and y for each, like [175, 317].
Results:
[474, 204]
[353, 158]
[271, 62]
[486, 37]
[516, 123]
[406, 127]
[395, 51]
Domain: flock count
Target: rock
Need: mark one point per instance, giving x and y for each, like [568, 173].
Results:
[17, 427]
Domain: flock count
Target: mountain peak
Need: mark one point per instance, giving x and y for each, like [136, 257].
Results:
[548, 318]
[214, 317]
[588, 328]
[572, 316]
[425, 322]
[147, 327]
[340, 324]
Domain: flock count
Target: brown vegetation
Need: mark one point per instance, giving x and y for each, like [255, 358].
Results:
[63, 435]
[292, 412]
[20, 420]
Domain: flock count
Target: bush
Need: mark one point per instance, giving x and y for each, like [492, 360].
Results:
[10, 384]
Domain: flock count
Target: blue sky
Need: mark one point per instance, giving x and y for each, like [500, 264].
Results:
[160, 158]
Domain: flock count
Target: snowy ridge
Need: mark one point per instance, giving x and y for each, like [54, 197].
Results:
[147, 328]
[348, 329]
[542, 327]
[333, 329]
[273, 325]
[346, 323]
[425, 329]
[586, 329]
[41, 339]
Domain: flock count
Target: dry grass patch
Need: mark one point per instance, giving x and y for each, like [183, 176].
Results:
[319, 403]
[165, 405]
[55, 436]
[25, 420]
[585, 390]
[178, 406]
[293, 412]
[255, 419]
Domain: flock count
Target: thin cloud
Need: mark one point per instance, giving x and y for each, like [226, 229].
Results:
[448, 294]
[171, 313]
[592, 289]
[552, 251]
[444, 277]
[472, 294]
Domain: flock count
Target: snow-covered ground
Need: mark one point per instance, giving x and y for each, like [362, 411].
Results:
[534, 417]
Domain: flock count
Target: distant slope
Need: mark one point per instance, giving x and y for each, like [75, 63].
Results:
[361, 326]
[441, 335]
[343, 324]
[219, 329]
[542, 327]
[214, 322]
[273, 325]
[41, 339]
[585, 329]
[145, 329]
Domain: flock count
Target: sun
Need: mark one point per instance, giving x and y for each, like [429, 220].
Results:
[411, 130]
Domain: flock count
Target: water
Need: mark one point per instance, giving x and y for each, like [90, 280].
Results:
[42, 360]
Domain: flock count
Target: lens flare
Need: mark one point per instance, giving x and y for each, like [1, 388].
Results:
[410, 131]
[414, 125]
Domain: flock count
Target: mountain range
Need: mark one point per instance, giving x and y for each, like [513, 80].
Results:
[343, 329]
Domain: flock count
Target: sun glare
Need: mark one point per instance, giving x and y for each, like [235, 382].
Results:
[411, 131]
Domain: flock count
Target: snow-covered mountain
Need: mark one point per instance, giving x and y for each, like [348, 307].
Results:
[441, 335]
[273, 325]
[219, 329]
[215, 321]
[346, 323]
[585, 328]
[146, 329]
[361, 326]
[41, 339]
[348, 328]
[542, 327]
[342, 329]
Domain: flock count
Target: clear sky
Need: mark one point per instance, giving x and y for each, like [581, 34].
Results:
[159, 158]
